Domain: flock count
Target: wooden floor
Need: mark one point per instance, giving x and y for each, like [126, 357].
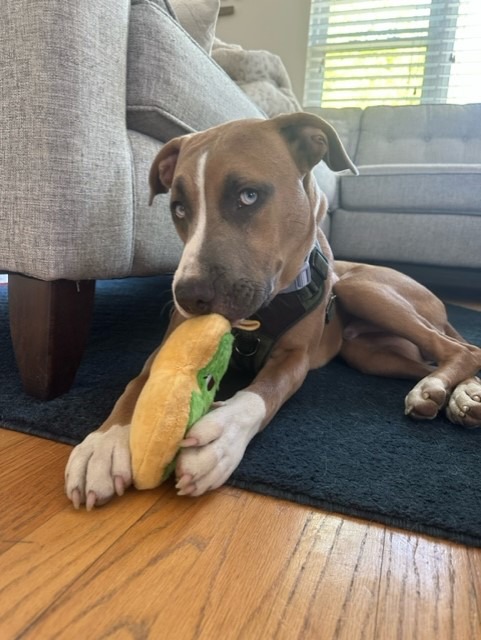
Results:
[229, 565]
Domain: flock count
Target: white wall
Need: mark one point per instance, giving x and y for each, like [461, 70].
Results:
[281, 26]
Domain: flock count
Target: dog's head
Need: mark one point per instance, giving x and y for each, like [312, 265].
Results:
[246, 208]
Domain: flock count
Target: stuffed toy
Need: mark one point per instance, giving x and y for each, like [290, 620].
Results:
[184, 378]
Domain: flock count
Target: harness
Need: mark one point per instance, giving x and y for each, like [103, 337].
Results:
[251, 348]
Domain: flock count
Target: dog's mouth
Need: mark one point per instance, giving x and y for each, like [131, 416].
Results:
[244, 322]
[237, 303]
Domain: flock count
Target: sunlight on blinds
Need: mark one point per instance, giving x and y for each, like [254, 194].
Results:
[465, 77]
[365, 52]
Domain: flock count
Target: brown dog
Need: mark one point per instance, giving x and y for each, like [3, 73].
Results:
[248, 211]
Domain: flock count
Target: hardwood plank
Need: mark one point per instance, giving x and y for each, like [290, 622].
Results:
[231, 564]
[8, 439]
[26, 454]
[323, 559]
[31, 472]
[35, 572]
[474, 556]
[427, 589]
[152, 581]
[267, 562]
[469, 304]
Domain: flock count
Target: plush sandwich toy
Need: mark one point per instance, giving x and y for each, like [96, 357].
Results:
[184, 378]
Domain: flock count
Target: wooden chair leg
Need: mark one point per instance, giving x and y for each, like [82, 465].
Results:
[49, 324]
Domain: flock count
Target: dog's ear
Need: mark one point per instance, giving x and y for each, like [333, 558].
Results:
[312, 139]
[163, 168]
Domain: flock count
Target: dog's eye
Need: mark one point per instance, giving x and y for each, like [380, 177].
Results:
[178, 210]
[248, 197]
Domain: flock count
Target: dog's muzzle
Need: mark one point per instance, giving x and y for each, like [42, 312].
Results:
[215, 294]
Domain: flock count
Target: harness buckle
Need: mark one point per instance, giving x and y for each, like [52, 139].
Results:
[252, 344]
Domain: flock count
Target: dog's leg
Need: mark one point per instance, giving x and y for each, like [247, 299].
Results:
[464, 406]
[384, 355]
[385, 305]
[100, 467]
[216, 444]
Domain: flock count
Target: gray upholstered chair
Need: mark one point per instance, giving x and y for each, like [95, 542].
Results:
[89, 91]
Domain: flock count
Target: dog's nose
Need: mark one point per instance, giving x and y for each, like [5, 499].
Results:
[195, 295]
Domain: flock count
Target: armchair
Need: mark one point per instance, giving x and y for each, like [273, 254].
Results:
[88, 94]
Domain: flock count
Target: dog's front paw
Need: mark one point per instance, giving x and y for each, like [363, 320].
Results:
[465, 403]
[216, 444]
[426, 399]
[99, 467]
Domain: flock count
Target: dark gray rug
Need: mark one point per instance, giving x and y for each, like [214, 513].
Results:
[341, 443]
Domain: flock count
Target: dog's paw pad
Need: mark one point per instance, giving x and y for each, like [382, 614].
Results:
[464, 405]
[99, 468]
[222, 435]
[426, 399]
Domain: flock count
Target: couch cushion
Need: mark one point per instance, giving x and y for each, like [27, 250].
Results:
[443, 133]
[327, 181]
[431, 188]
[173, 86]
[424, 239]
[156, 247]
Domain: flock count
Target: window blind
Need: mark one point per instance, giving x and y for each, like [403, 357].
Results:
[366, 52]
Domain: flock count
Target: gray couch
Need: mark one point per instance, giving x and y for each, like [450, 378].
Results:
[416, 204]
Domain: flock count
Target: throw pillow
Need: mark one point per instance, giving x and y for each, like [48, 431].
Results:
[199, 19]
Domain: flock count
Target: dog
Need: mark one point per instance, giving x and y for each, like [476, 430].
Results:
[248, 210]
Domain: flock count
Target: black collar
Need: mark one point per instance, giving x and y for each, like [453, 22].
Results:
[251, 348]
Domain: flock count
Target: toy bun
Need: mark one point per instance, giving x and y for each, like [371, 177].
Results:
[183, 380]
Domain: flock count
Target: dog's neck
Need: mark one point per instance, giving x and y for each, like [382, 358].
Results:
[303, 278]
[251, 348]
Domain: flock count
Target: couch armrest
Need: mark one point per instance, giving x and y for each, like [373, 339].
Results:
[65, 170]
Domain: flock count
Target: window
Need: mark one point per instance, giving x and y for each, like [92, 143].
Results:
[366, 52]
